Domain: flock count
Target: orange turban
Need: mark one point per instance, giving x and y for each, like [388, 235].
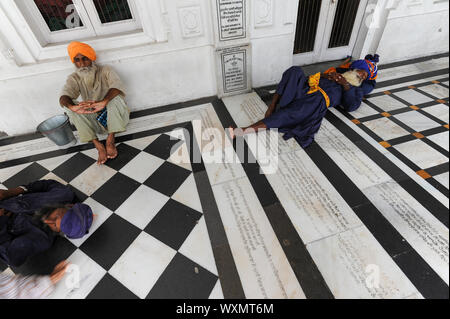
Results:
[76, 48]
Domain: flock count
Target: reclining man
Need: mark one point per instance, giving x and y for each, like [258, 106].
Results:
[103, 109]
[32, 215]
[303, 102]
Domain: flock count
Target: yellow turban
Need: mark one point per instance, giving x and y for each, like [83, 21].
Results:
[76, 48]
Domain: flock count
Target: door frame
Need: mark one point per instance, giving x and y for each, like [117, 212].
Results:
[321, 53]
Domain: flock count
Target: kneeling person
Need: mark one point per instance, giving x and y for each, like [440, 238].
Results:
[103, 109]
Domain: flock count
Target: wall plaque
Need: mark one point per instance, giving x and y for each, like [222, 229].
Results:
[234, 69]
[231, 15]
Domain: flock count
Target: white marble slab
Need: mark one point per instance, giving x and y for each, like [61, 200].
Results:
[436, 90]
[54, 162]
[441, 139]
[142, 206]
[413, 97]
[416, 121]
[217, 292]
[93, 178]
[421, 154]
[142, 166]
[142, 143]
[83, 268]
[385, 128]
[441, 111]
[357, 165]
[363, 111]
[181, 157]
[355, 266]
[261, 263]
[222, 167]
[187, 194]
[387, 103]
[443, 179]
[197, 247]
[142, 264]
[245, 109]
[417, 225]
[312, 203]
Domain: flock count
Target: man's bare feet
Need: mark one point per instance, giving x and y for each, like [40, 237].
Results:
[111, 149]
[102, 156]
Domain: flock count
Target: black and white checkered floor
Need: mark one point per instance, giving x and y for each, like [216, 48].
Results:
[362, 213]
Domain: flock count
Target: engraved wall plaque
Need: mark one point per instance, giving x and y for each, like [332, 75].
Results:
[232, 20]
[234, 70]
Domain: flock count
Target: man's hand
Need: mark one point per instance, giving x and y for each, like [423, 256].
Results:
[58, 272]
[97, 106]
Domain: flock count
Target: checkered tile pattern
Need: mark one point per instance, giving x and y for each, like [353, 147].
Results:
[149, 237]
[412, 123]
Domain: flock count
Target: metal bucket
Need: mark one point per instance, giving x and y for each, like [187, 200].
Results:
[58, 130]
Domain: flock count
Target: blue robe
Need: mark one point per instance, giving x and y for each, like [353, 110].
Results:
[300, 114]
[20, 236]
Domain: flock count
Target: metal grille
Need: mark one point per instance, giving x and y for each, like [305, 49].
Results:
[113, 10]
[307, 22]
[59, 14]
[344, 21]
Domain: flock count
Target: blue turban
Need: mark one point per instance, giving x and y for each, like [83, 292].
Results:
[77, 221]
[369, 64]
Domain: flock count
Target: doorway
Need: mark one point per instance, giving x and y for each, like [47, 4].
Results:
[327, 29]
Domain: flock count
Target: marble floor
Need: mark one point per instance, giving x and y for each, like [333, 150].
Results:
[185, 213]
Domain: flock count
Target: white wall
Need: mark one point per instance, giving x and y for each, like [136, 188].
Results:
[415, 28]
[178, 68]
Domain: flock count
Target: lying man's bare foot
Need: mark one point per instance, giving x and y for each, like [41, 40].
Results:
[111, 149]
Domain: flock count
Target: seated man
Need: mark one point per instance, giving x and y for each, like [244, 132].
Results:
[303, 102]
[103, 109]
[31, 215]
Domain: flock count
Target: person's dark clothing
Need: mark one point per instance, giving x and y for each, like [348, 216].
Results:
[22, 237]
[300, 114]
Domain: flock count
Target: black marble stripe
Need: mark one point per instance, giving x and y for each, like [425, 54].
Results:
[438, 169]
[226, 267]
[411, 78]
[412, 61]
[423, 277]
[306, 271]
